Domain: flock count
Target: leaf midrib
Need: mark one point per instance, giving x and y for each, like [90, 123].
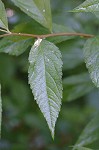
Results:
[42, 51]
[44, 16]
[21, 4]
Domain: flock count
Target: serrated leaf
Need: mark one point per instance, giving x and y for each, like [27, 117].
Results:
[45, 73]
[89, 6]
[91, 54]
[3, 17]
[90, 133]
[0, 110]
[39, 10]
[76, 86]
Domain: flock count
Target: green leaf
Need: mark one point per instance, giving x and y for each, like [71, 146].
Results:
[31, 27]
[60, 28]
[76, 86]
[72, 54]
[3, 17]
[90, 133]
[39, 10]
[91, 54]
[14, 45]
[89, 6]
[0, 110]
[83, 148]
[45, 73]
[97, 14]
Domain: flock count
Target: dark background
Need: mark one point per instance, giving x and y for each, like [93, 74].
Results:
[23, 125]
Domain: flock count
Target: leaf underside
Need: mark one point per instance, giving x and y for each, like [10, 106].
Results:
[91, 54]
[89, 6]
[39, 10]
[45, 73]
[3, 17]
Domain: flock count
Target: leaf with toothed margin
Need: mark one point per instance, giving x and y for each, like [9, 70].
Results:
[0, 111]
[3, 17]
[45, 79]
[88, 6]
[91, 54]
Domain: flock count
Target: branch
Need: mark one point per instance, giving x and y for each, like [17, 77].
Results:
[48, 35]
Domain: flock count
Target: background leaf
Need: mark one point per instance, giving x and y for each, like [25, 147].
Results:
[3, 17]
[0, 110]
[91, 54]
[90, 133]
[76, 86]
[16, 45]
[83, 148]
[60, 28]
[89, 6]
[72, 54]
[37, 9]
[45, 73]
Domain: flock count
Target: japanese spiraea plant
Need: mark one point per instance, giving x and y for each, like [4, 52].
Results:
[45, 60]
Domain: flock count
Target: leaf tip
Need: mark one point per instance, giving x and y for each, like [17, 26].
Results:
[52, 133]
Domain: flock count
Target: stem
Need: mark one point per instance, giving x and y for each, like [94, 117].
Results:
[48, 35]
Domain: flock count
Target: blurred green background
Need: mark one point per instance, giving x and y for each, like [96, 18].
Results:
[23, 125]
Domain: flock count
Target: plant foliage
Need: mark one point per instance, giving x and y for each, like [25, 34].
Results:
[3, 17]
[90, 133]
[45, 75]
[38, 10]
[91, 50]
[89, 6]
[44, 66]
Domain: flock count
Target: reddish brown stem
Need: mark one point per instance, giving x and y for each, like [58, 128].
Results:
[48, 35]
